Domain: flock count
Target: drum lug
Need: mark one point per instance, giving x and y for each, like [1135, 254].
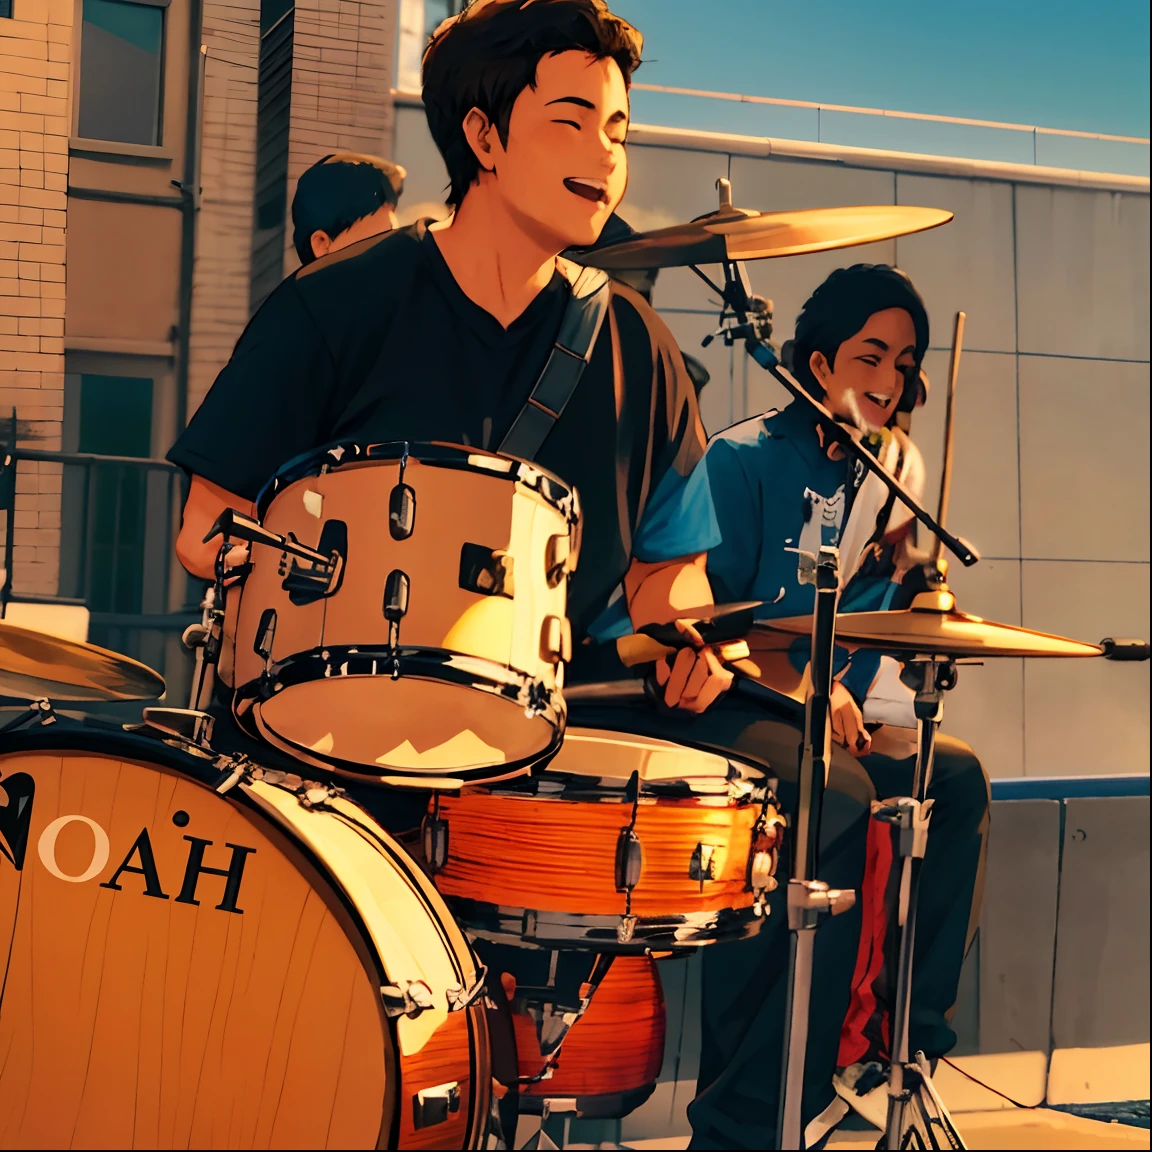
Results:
[626, 929]
[557, 560]
[406, 998]
[555, 640]
[434, 1105]
[702, 866]
[629, 860]
[265, 637]
[461, 996]
[435, 837]
[401, 512]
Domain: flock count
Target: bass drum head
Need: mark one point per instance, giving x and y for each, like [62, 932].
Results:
[179, 975]
[375, 727]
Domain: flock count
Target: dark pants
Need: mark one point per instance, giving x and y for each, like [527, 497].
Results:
[745, 984]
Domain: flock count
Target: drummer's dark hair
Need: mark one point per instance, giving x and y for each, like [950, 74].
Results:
[841, 306]
[485, 57]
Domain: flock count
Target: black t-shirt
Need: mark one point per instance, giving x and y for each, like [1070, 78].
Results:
[378, 342]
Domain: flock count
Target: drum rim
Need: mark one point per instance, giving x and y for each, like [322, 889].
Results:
[438, 453]
[334, 662]
[505, 924]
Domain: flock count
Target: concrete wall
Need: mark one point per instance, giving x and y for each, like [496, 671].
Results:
[1051, 474]
[35, 52]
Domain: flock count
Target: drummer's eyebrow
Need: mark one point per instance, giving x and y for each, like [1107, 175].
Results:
[879, 343]
[580, 102]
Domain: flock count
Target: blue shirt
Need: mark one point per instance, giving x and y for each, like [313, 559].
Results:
[774, 493]
[679, 520]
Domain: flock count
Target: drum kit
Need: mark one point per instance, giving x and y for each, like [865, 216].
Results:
[209, 950]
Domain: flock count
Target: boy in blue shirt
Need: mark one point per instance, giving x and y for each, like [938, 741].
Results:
[773, 488]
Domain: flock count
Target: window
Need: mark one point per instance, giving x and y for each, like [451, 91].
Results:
[121, 58]
[105, 507]
[6, 9]
[436, 11]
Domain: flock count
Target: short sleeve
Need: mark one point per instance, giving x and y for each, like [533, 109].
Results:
[270, 402]
[679, 519]
[734, 560]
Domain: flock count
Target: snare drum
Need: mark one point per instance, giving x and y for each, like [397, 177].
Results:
[259, 969]
[623, 844]
[435, 656]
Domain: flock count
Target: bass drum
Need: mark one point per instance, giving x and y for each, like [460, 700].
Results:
[262, 968]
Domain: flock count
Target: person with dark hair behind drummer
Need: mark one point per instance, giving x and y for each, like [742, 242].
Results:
[780, 491]
[343, 198]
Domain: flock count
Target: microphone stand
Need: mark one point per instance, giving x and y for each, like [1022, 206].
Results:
[811, 901]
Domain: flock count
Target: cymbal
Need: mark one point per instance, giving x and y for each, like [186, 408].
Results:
[35, 665]
[928, 632]
[741, 234]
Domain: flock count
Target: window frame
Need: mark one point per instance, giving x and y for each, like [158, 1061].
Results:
[78, 143]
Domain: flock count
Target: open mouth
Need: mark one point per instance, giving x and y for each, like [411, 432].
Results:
[594, 190]
[881, 402]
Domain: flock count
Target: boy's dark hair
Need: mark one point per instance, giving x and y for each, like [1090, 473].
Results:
[485, 57]
[840, 307]
[337, 191]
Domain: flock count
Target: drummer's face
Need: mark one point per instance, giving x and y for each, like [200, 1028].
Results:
[866, 379]
[563, 170]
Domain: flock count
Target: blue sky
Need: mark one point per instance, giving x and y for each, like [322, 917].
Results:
[1046, 62]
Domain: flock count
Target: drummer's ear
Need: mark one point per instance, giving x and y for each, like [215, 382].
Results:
[482, 138]
[821, 369]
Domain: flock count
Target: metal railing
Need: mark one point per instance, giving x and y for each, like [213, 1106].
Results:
[833, 123]
[118, 521]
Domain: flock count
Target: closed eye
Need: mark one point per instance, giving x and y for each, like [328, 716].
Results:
[572, 122]
[874, 361]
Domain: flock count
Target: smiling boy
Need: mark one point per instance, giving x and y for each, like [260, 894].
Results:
[439, 333]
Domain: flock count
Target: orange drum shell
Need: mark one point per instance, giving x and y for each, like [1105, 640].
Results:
[554, 855]
[615, 1048]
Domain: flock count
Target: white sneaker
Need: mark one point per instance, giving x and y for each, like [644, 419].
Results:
[864, 1088]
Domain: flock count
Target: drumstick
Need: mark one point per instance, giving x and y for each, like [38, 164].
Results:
[641, 649]
[949, 432]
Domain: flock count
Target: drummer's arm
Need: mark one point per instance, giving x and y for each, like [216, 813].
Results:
[205, 503]
[657, 593]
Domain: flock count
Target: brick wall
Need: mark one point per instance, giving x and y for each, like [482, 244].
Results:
[228, 171]
[35, 61]
[341, 84]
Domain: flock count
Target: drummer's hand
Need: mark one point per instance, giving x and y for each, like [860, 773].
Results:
[848, 722]
[696, 678]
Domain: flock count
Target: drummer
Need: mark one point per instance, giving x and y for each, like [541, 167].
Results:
[438, 332]
[778, 489]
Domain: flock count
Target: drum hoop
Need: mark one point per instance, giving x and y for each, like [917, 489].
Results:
[431, 664]
[503, 923]
[560, 496]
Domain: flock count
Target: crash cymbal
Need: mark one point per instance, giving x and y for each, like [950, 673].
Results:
[930, 632]
[35, 665]
[740, 234]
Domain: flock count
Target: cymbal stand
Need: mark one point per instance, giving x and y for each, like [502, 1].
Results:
[917, 1117]
[810, 901]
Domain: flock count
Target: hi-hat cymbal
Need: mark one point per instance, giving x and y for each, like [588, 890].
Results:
[927, 632]
[35, 665]
[740, 234]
